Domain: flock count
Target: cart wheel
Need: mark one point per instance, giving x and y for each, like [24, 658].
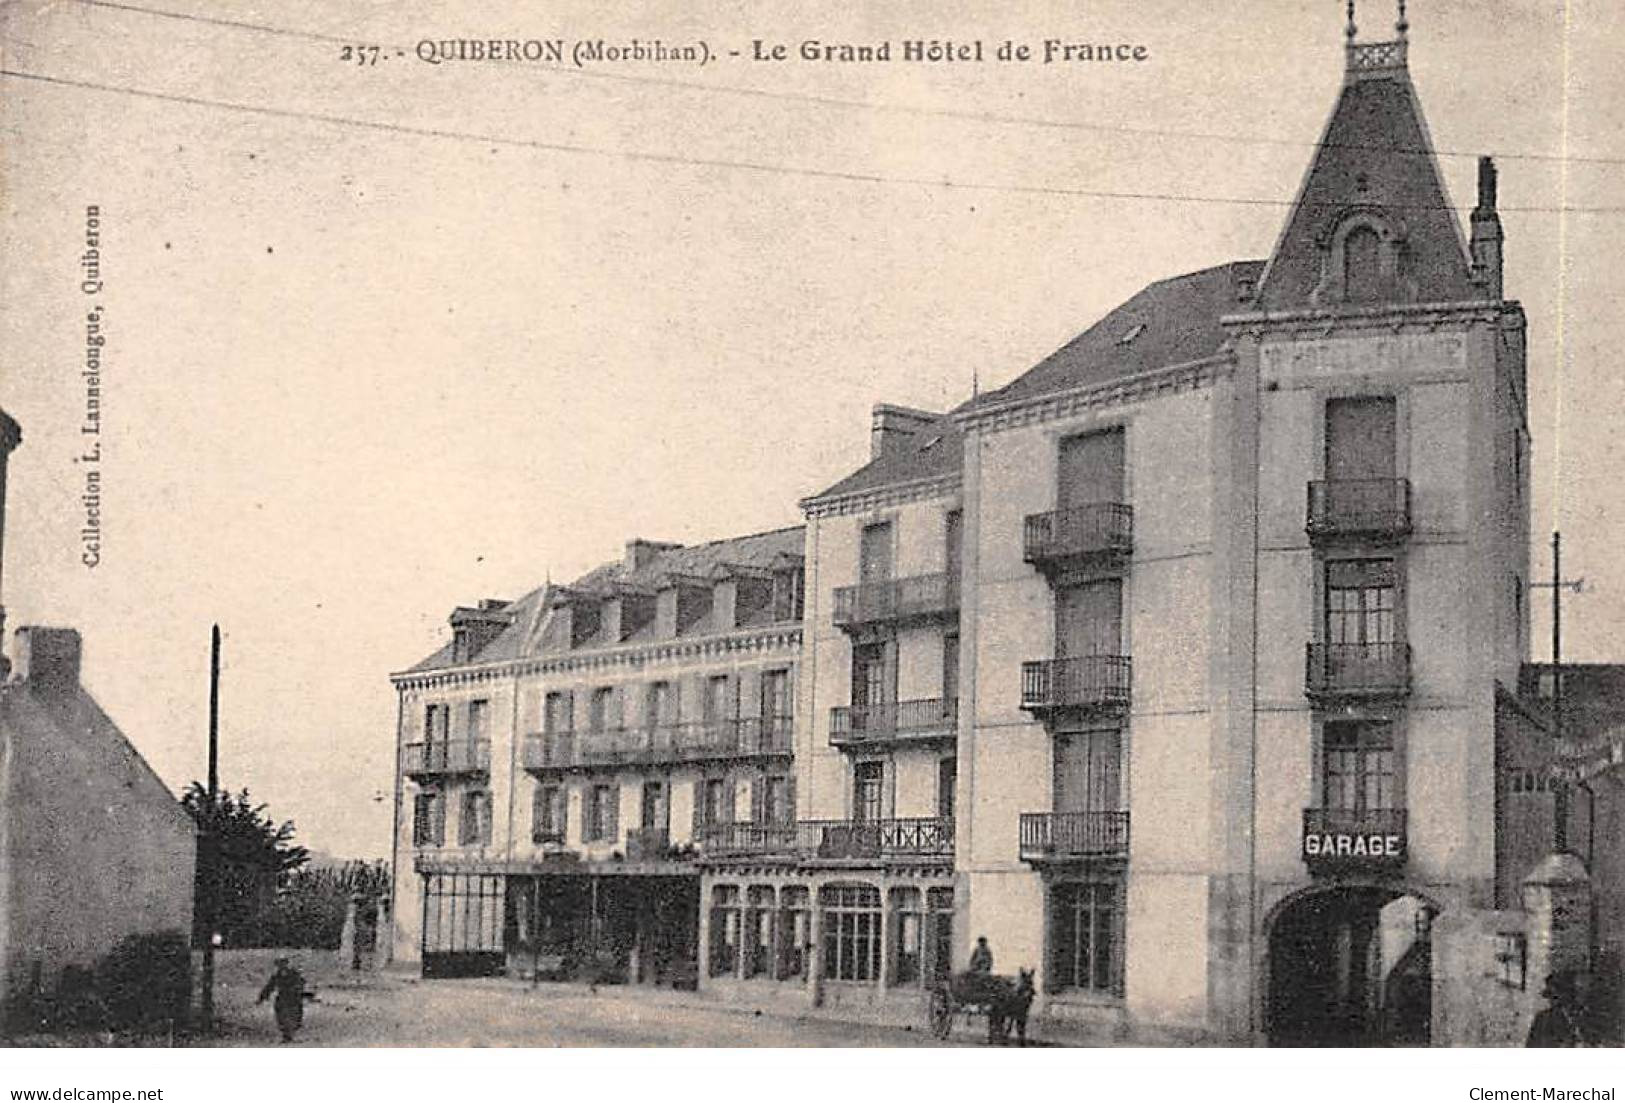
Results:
[942, 1013]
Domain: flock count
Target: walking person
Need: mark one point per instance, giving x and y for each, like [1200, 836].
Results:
[1561, 1022]
[287, 984]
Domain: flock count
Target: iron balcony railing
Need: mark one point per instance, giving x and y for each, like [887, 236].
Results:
[1354, 837]
[691, 741]
[1098, 529]
[749, 838]
[1087, 681]
[1048, 836]
[813, 840]
[922, 597]
[1374, 508]
[851, 725]
[455, 756]
[1357, 670]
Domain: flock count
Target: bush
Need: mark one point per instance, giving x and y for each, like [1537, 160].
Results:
[145, 982]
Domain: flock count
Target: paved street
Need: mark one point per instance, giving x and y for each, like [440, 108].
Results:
[394, 1009]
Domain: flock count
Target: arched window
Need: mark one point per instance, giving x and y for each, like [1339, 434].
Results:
[1362, 249]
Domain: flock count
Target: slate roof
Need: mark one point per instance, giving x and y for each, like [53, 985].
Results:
[1172, 321]
[1593, 696]
[1376, 131]
[936, 449]
[762, 550]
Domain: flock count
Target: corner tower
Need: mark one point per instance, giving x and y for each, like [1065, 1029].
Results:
[1375, 574]
[1372, 223]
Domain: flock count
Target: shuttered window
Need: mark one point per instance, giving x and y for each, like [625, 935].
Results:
[1088, 771]
[1089, 619]
[603, 813]
[548, 815]
[475, 826]
[428, 820]
[1090, 470]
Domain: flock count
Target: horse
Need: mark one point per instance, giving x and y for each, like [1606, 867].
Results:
[1005, 1000]
[1008, 1007]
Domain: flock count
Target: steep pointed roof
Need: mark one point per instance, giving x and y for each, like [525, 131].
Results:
[1375, 157]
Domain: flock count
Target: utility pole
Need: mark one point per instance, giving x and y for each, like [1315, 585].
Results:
[1560, 792]
[211, 848]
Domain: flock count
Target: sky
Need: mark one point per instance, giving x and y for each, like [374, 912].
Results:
[388, 338]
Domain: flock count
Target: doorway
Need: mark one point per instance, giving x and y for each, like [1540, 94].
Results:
[1351, 966]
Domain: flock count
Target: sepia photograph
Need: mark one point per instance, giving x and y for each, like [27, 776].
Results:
[985, 527]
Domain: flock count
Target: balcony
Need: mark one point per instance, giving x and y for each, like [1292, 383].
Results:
[1101, 534]
[1346, 839]
[749, 840]
[897, 602]
[446, 758]
[663, 744]
[893, 722]
[1365, 509]
[929, 839]
[1086, 683]
[1357, 671]
[1072, 836]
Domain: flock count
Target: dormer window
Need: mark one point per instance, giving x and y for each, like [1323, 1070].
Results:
[1362, 267]
[787, 594]
[1365, 259]
[584, 623]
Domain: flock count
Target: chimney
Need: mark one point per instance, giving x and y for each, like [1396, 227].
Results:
[896, 428]
[473, 629]
[11, 435]
[640, 553]
[1487, 236]
[48, 659]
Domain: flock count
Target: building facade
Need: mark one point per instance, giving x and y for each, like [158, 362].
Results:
[93, 847]
[856, 902]
[1186, 668]
[1247, 572]
[565, 756]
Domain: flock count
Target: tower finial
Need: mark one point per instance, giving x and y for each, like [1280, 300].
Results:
[1350, 30]
[1404, 25]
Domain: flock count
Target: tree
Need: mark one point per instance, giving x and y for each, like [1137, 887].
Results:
[311, 905]
[255, 856]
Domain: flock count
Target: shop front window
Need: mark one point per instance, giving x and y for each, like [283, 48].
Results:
[725, 921]
[852, 922]
[758, 931]
[908, 928]
[795, 925]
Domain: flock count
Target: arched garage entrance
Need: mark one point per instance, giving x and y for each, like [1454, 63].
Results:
[1351, 966]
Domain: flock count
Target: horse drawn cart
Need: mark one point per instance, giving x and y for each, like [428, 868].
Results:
[1003, 1000]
